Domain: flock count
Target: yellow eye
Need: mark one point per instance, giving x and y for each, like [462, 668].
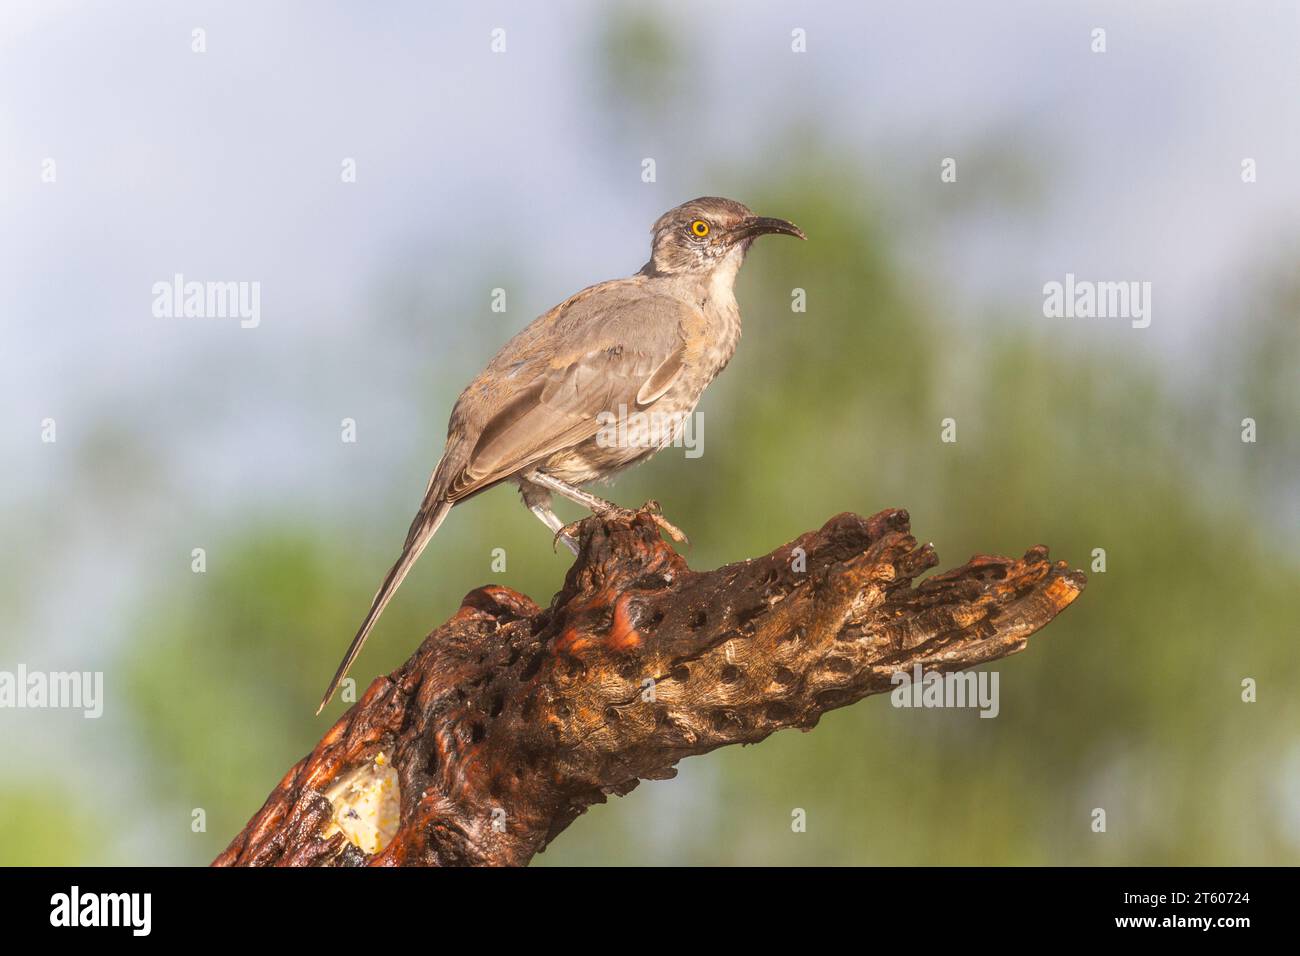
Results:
[700, 228]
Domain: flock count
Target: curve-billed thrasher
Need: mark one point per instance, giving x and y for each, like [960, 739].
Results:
[539, 414]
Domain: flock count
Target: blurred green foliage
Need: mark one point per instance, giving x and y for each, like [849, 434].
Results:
[1130, 701]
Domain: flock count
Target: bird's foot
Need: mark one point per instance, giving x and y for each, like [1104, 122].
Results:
[656, 514]
[569, 532]
[569, 535]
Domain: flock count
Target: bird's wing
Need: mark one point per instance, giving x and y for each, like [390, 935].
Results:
[633, 349]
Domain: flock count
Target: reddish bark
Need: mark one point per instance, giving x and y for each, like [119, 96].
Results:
[510, 720]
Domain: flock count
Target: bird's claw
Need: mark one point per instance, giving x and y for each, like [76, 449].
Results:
[656, 514]
[567, 534]
[674, 532]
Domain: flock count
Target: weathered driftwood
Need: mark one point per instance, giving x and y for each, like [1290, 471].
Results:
[510, 720]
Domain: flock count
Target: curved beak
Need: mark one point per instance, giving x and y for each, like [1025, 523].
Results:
[755, 226]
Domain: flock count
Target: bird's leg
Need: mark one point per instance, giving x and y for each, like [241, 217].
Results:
[602, 507]
[538, 501]
[577, 495]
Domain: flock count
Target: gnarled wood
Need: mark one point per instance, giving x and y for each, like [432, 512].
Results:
[510, 720]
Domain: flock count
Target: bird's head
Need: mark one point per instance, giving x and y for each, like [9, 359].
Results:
[706, 234]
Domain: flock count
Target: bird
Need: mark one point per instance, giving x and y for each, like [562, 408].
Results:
[539, 414]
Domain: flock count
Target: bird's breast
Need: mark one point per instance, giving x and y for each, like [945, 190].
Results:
[711, 345]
